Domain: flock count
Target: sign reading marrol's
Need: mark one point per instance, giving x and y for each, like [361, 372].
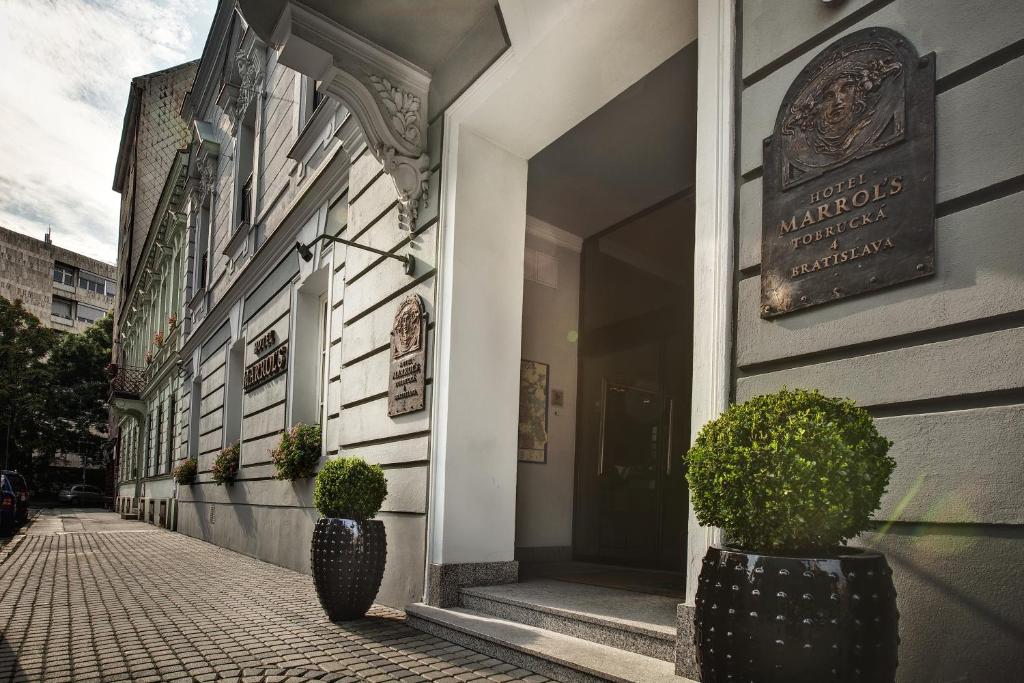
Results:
[849, 175]
[407, 382]
[266, 368]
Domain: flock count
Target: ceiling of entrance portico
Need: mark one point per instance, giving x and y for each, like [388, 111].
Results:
[636, 150]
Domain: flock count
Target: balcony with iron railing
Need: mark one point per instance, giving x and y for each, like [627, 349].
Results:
[126, 381]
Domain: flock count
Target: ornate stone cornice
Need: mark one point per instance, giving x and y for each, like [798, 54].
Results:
[386, 94]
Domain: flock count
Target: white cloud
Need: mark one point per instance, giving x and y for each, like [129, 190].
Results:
[67, 68]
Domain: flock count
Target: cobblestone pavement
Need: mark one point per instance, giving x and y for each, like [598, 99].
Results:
[86, 597]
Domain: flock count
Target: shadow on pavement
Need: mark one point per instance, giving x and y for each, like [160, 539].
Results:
[9, 668]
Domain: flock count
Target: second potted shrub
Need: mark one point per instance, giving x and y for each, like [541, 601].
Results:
[349, 549]
[789, 477]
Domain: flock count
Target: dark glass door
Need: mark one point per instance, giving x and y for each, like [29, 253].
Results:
[631, 473]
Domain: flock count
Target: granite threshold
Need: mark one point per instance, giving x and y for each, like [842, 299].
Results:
[639, 623]
[549, 653]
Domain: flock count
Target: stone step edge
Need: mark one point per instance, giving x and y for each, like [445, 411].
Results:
[652, 631]
[610, 635]
[565, 652]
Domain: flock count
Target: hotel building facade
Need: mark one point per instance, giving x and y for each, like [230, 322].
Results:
[580, 186]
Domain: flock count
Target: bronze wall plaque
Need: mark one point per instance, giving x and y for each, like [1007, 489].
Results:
[407, 384]
[849, 175]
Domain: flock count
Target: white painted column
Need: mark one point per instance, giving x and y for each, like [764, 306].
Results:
[713, 250]
[478, 348]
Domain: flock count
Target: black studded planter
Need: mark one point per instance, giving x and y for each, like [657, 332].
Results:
[772, 619]
[347, 559]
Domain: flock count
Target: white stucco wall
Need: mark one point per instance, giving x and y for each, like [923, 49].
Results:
[544, 491]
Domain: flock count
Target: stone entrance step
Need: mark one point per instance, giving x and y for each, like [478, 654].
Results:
[640, 623]
[549, 653]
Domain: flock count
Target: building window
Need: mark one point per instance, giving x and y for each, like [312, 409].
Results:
[110, 288]
[88, 314]
[91, 283]
[149, 449]
[202, 263]
[195, 401]
[63, 274]
[159, 432]
[321, 384]
[309, 100]
[171, 421]
[245, 146]
[62, 308]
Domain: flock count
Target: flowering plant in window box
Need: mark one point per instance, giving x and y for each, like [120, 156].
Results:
[172, 322]
[158, 338]
[298, 452]
[225, 467]
[185, 472]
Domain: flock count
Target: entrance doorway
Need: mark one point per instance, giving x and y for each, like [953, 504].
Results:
[634, 383]
[608, 310]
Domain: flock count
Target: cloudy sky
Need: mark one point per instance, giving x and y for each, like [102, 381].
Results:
[64, 79]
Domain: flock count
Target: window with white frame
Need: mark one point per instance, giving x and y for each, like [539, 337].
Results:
[63, 274]
[325, 346]
[309, 99]
[245, 215]
[88, 314]
[91, 283]
[62, 308]
[202, 264]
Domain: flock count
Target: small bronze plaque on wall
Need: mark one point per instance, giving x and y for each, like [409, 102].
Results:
[849, 175]
[407, 383]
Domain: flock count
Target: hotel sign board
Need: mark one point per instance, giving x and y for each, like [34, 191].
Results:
[407, 381]
[268, 366]
[849, 175]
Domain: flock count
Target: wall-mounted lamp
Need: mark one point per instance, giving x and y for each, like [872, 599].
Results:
[305, 251]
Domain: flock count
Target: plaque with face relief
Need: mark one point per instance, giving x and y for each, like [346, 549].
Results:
[849, 175]
[407, 383]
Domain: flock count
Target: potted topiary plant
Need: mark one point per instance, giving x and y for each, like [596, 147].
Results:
[790, 477]
[298, 452]
[349, 549]
[225, 467]
[185, 472]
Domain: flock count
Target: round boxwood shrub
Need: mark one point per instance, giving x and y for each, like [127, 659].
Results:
[185, 472]
[225, 467]
[349, 488]
[298, 452]
[789, 472]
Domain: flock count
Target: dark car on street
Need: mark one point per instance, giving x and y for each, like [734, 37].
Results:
[20, 487]
[8, 506]
[82, 494]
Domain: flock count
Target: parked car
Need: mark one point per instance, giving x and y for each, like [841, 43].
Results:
[8, 506]
[20, 487]
[82, 494]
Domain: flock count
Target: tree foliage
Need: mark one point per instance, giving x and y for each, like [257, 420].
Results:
[793, 471]
[53, 388]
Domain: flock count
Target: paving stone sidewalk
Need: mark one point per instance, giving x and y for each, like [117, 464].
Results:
[138, 604]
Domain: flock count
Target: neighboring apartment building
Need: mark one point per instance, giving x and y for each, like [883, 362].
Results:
[65, 290]
[580, 186]
[150, 175]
